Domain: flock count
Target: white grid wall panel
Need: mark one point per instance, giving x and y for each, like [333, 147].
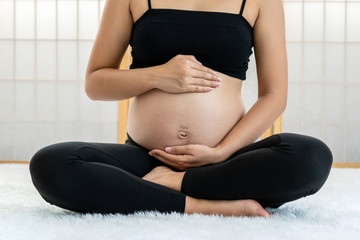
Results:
[323, 48]
[45, 46]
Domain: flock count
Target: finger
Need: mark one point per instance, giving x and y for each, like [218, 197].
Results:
[204, 83]
[205, 74]
[166, 161]
[197, 89]
[184, 149]
[204, 79]
[197, 65]
[179, 160]
[170, 156]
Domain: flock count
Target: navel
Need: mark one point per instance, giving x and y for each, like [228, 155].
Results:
[182, 134]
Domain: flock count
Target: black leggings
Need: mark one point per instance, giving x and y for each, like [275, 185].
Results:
[91, 177]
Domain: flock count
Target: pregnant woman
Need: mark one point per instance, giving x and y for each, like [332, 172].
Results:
[191, 145]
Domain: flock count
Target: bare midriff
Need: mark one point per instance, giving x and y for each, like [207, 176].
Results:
[158, 119]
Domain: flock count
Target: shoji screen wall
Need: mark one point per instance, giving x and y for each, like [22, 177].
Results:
[45, 45]
[323, 46]
[44, 49]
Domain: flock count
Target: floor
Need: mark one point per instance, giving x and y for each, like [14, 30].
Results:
[332, 213]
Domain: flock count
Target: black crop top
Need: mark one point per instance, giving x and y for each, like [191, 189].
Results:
[219, 40]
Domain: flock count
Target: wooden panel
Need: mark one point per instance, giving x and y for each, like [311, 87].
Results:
[275, 128]
[346, 165]
[124, 104]
[14, 161]
[123, 112]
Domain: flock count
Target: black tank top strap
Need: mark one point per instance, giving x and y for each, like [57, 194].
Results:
[149, 3]
[242, 6]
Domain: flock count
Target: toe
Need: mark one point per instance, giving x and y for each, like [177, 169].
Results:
[256, 209]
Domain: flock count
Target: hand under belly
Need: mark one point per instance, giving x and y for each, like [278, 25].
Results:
[158, 119]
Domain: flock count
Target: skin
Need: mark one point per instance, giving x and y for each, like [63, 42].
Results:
[159, 117]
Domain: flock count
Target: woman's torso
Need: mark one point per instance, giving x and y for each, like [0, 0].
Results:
[157, 119]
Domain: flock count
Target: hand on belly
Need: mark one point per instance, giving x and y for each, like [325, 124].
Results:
[187, 156]
[157, 131]
[158, 119]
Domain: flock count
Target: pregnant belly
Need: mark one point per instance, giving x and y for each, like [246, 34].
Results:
[158, 119]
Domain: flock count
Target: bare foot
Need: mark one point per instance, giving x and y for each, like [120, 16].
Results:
[246, 207]
[165, 176]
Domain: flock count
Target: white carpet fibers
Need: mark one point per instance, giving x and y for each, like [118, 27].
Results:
[332, 213]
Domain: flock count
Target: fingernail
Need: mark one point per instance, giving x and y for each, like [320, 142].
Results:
[150, 153]
[168, 149]
[218, 78]
[217, 84]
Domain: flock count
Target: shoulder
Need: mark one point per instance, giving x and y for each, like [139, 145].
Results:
[264, 3]
[269, 6]
[254, 9]
[269, 11]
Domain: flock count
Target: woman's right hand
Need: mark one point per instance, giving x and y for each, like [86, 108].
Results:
[183, 73]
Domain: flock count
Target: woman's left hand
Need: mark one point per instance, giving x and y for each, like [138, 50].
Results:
[187, 156]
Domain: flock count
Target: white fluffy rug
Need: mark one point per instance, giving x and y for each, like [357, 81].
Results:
[332, 213]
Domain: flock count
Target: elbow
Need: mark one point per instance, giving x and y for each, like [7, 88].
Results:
[284, 106]
[90, 94]
[89, 88]
[281, 106]
[282, 103]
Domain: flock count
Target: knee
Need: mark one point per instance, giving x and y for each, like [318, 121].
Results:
[321, 159]
[312, 156]
[39, 162]
[47, 162]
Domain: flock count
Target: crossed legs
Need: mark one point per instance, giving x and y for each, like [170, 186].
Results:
[111, 178]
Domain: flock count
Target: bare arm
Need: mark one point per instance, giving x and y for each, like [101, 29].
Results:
[104, 80]
[109, 84]
[271, 63]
